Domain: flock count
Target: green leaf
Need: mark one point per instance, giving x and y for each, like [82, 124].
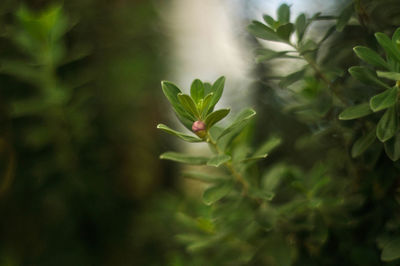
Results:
[389, 75]
[171, 91]
[206, 104]
[362, 144]
[387, 126]
[389, 47]
[184, 158]
[216, 116]
[284, 14]
[391, 251]
[370, 56]
[383, 100]
[260, 194]
[197, 90]
[269, 20]
[207, 178]
[300, 26]
[292, 78]
[189, 105]
[285, 31]
[215, 193]
[355, 111]
[217, 160]
[180, 135]
[366, 76]
[344, 17]
[396, 36]
[267, 147]
[264, 54]
[217, 89]
[392, 147]
[241, 121]
[262, 31]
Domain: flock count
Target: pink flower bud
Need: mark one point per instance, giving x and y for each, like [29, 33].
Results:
[199, 128]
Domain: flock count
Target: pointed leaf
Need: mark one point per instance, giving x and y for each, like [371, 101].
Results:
[391, 251]
[370, 56]
[344, 17]
[384, 100]
[204, 177]
[284, 14]
[189, 105]
[184, 158]
[215, 193]
[285, 31]
[269, 20]
[300, 26]
[180, 135]
[217, 89]
[215, 117]
[389, 75]
[362, 144]
[355, 111]
[262, 31]
[197, 90]
[241, 121]
[387, 126]
[217, 160]
[387, 44]
[292, 78]
[392, 147]
[366, 76]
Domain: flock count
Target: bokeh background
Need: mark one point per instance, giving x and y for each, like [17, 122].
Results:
[81, 182]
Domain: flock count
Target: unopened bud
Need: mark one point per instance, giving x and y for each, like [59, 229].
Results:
[199, 128]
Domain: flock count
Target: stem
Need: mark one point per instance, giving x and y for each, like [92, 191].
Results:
[238, 177]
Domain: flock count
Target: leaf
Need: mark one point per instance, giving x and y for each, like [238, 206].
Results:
[206, 104]
[217, 89]
[260, 194]
[217, 160]
[284, 14]
[383, 100]
[391, 251]
[387, 44]
[387, 126]
[264, 54]
[292, 78]
[189, 105]
[184, 158]
[362, 144]
[171, 91]
[262, 31]
[300, 26]
[266, 147]
[344, 17]
[216, 116]
[180, 135]
[366, 76]
[215, 193]
[389, 75]
[396, 36]
[370, 56]
[239, 122]
[285, 31]
[269, 20]
[355, 111]
[392, 147]
[204, 177]
[197, 90]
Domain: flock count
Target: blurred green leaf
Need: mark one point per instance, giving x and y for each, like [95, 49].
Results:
[285, 31]
[180, 135]
[262, 31]
[204, 177]
[396, 36]
[269, 20]
[344, 17]
[241, 121]
[284, 14]
[217, 89]
[362, 144]
[184, 158]
[267, 147]
[355, 111]
[389, 47]
[300, 26]
[292, 78]
[384, 100]
[206, 104]
[216, 116]
[392, 147]
[389, 75]
[387, 126]
[189, 105]
[370, 56]
[391, 251]
[366, 76]
[215, 193]
[197, 90]
[218, 160]
[265, 54]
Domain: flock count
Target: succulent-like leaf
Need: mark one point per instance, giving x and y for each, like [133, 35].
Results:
[389, 47]
[284, 14]
[217, 89]
[262, 31]
[300, 26]
[389, 75]
[285, 31]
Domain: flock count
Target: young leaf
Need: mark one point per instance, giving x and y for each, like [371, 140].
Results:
[189, 105]
[285, 31]
[355, 111]
[344, 17]
[391, 251]
[241, 121]
[389, 75]
[217, 160]
[216, 116]
[392, 147]
[206, 104]
[180, 135]
[215, 193]
[217, 89]
[269, 20]
[284, 14]
[387, 44]
[366, 76]
[300, 26]
[292, 78]
[207, 178]
[370, 56]
[383, 100]
[268, 146]
[184, 158]
[262, 31]
[387, 126]
[197, 90]
[396, 36]
[265, 54]
[362, 144]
